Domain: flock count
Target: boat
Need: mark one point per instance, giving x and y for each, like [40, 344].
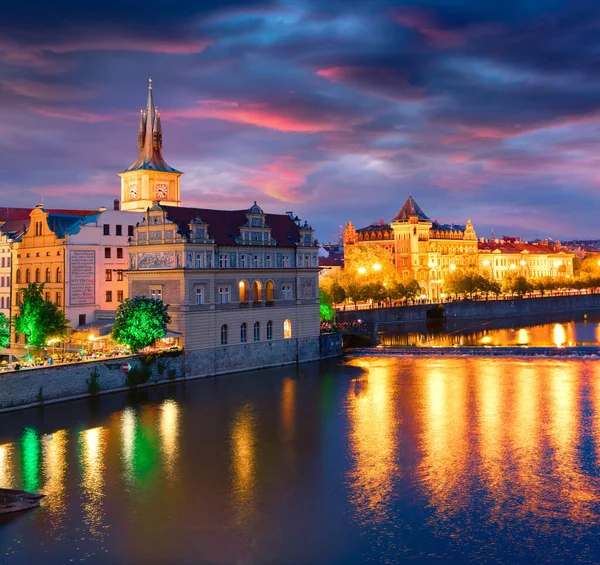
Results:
[13, 501]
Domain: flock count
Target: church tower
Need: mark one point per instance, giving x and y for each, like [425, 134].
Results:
[149, 178]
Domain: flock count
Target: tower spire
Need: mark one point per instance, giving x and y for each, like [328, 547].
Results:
[150, 139]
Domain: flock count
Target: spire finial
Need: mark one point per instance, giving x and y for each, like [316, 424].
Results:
[150, 83]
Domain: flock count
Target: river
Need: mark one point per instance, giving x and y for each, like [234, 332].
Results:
[368, 460]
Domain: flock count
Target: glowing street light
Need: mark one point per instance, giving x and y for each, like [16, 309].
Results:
[377, 267]
[486, 263]
[453, 267]
[523, 262]
[362, 270]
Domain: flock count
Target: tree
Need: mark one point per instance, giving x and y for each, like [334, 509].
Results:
[4, 331]
[412, 289]
[371, 263]
[338, 294]
[140, 321]
[325, 310]
[38, 319]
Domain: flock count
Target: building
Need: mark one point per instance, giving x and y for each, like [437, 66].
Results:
[499, 257]
[420, 248]
[80, 256]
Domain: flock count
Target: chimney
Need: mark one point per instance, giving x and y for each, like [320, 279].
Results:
[116, 204]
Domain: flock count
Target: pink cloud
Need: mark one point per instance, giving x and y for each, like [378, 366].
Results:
[429, 26]
[283, 178]
[44, 91]
[64, 191]
[72, 114]
[256, 114]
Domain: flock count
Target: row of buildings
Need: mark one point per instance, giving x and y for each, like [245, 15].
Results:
[242, 285]
[428, 251]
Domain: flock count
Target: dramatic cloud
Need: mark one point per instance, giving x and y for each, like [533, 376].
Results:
[336, 109]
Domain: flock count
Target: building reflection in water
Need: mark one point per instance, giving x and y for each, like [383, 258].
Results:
[288, 402]
[54, 448]
[169, 435]
[7, 475]
[128, 425]
[559, 335]
[92, 445]
[444, 438]
[373, 440]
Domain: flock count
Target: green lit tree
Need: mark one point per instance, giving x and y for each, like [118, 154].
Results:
[38, 319]
[140, 321]
[4, 331]
[325, 310]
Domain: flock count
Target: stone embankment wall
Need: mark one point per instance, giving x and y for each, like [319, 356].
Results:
[484, 309]
[30, 387]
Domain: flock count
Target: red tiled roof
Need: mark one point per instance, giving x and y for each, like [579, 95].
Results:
[223, 225]
[516, 247]
[330, 262]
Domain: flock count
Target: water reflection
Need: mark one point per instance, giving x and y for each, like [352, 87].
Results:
[169, 434]
[92, 448]
[373, 440]
[55, 469]
[7, 477]
[559, 336]
[30, 460]
[288, 399]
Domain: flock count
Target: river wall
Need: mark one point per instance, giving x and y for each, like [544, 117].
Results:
[56, 383]
[483, 309]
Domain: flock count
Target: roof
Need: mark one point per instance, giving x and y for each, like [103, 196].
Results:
[64, 223]
[516, 247]
[447, 227]
[331, 261]
[375, 227]
[150, 140]
[410, 208]
[223, 225]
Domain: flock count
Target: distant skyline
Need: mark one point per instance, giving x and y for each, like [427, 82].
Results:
[336, 110]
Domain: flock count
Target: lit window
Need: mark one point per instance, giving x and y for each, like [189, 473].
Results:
[224, 334]
[256, 331]
[243, 329]
[224, 294]
[109, 296]
[269, 329]
[199, 296]
[108, 275]
[287, 329]
[120, 296]
[119, 275]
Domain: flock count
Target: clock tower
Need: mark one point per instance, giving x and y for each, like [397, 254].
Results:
[149, 178]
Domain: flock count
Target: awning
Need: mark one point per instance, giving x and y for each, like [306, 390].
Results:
[97, 327]
[171, 333]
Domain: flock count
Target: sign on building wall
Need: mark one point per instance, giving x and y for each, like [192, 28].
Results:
[82, 275]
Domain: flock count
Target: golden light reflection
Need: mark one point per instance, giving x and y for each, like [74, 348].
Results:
[288, 400]
[54, 448]
[169, 434]
[373, 439]
[522, 336]
[128, 425]
[598, 333]
[595, 397]
[7, 475]
[243, 452]
[559, 335]
[445, 435]
[93, 445]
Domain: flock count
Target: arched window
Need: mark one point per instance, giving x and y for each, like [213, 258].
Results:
[3, 261]
[48, 274]
[243, 286]
[287, 329]
[256, 331]
[243, 331]
[58, 274]
[256, 292]
[27, 276]
[18, 276]
[270, 329]
[224, 334]
[37, 275]
[270, 291]
[1, 301]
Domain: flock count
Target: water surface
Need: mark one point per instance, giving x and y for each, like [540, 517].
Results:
[375, 460]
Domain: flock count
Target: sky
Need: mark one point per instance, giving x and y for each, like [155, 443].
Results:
[337, 110]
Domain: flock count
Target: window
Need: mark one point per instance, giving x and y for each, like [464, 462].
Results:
[119, 230]
[18, 276]
[108, 275]
[242, 261]
[199, 296]
[270, 329]
[156, 293]
[286, 261]
[270, 291]
[243, 291]
[256, 261]
[224, 334]
[120, 296]
[243, 329]
[120, 275]
[130, 231]
[109, 296]
[223, 261]
[48, 274]
[106, 229]
[37, 276]
[256, 331]
[268, 262]
[27, 276]
[224, 294]
[119, 253]
[107, 252]
[198, 260]
[287, 329]
[58, 299]
[286, 292]
[47, 297]
[81, 319]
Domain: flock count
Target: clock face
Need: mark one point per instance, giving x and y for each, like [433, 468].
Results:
[161, 190]
[133, 192]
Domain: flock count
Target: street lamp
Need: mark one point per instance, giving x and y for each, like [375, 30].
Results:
[362, 270]
[377, 267]
[453, 267]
